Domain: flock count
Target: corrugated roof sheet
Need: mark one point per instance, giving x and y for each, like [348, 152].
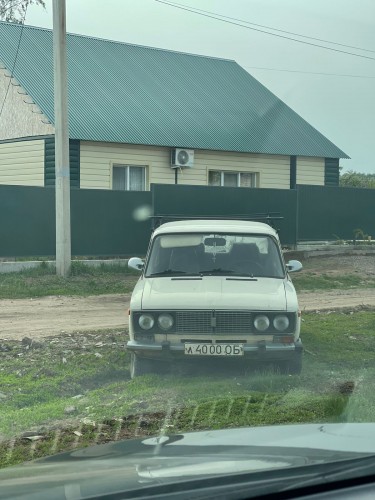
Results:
[139, 95]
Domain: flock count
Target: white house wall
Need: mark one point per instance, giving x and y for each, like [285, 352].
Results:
[97, 160]
[273, 170]
[22, 163]
[310, 170]
[18, 118]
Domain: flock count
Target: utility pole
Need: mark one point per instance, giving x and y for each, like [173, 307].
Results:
[62, 172]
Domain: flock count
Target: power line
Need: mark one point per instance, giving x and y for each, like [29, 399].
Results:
[273, 29]
[310, 72]
[194, 11]
[14, 63]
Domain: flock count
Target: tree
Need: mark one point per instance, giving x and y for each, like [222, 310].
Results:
[357, 179]
[15, 10]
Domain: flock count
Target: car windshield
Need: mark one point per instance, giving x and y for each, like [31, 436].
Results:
[208, 254]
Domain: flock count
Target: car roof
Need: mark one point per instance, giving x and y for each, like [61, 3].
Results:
[216, 225]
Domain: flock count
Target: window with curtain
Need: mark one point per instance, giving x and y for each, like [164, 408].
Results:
[128, 178]
[231, 179]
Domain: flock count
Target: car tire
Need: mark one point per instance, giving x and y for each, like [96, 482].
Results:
[141, 366]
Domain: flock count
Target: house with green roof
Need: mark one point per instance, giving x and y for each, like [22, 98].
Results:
[141, 115]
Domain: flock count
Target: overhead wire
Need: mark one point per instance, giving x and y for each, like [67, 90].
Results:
[310, 72]
[215, 16]
[272, 28]
[14, 63]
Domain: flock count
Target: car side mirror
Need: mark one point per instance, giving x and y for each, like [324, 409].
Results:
[136, 263]
[294, 266]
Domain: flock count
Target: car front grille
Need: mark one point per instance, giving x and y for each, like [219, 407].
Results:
[213, 322]
[233, 322]
[194, 322]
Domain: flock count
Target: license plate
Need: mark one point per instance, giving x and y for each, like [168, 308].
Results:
[214, 349]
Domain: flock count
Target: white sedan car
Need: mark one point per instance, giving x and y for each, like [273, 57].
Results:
[214, 289]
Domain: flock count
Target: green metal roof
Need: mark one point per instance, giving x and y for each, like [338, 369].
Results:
[140, 95]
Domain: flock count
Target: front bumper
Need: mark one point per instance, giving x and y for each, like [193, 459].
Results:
[261, 350]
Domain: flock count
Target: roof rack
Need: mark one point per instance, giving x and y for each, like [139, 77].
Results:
[268, 218]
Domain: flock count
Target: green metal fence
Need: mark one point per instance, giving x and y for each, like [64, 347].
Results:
[329, 213]
[104, 223]
[110, 223]
[114, 223]
[27, 221]
[222, 201]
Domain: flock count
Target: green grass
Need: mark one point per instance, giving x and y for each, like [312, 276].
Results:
[37, 386]
[341, 339]
[84, 281]
[311, 281]
[107, 279]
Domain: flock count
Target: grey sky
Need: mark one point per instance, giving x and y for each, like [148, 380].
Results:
[342, 108]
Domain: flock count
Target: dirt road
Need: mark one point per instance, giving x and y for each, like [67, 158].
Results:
[38, 318]
[336, 299]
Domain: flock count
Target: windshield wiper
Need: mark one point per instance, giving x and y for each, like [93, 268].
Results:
[218, 270]
[167, 272]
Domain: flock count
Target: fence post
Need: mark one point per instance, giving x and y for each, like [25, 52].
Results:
[296, 219]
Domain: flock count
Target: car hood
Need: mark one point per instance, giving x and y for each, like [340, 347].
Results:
[213, 292]
[145, 462]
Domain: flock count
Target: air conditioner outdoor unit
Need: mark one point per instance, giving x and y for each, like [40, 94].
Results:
[183, 158]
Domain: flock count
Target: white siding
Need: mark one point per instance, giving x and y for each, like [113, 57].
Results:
[20, 118]
[273, 170]
[22, 163]
[310, 170]
[97, 160]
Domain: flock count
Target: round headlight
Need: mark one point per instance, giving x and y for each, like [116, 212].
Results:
[281, 323]
[165, 321]
[261, 323]
[146, 321]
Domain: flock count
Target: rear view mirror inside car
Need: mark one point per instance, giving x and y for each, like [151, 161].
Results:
[215, 242]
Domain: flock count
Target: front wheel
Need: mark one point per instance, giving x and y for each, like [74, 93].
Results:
[141, 366]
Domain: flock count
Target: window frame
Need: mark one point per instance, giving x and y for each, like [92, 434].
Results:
[238, 172]
[127, 166]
